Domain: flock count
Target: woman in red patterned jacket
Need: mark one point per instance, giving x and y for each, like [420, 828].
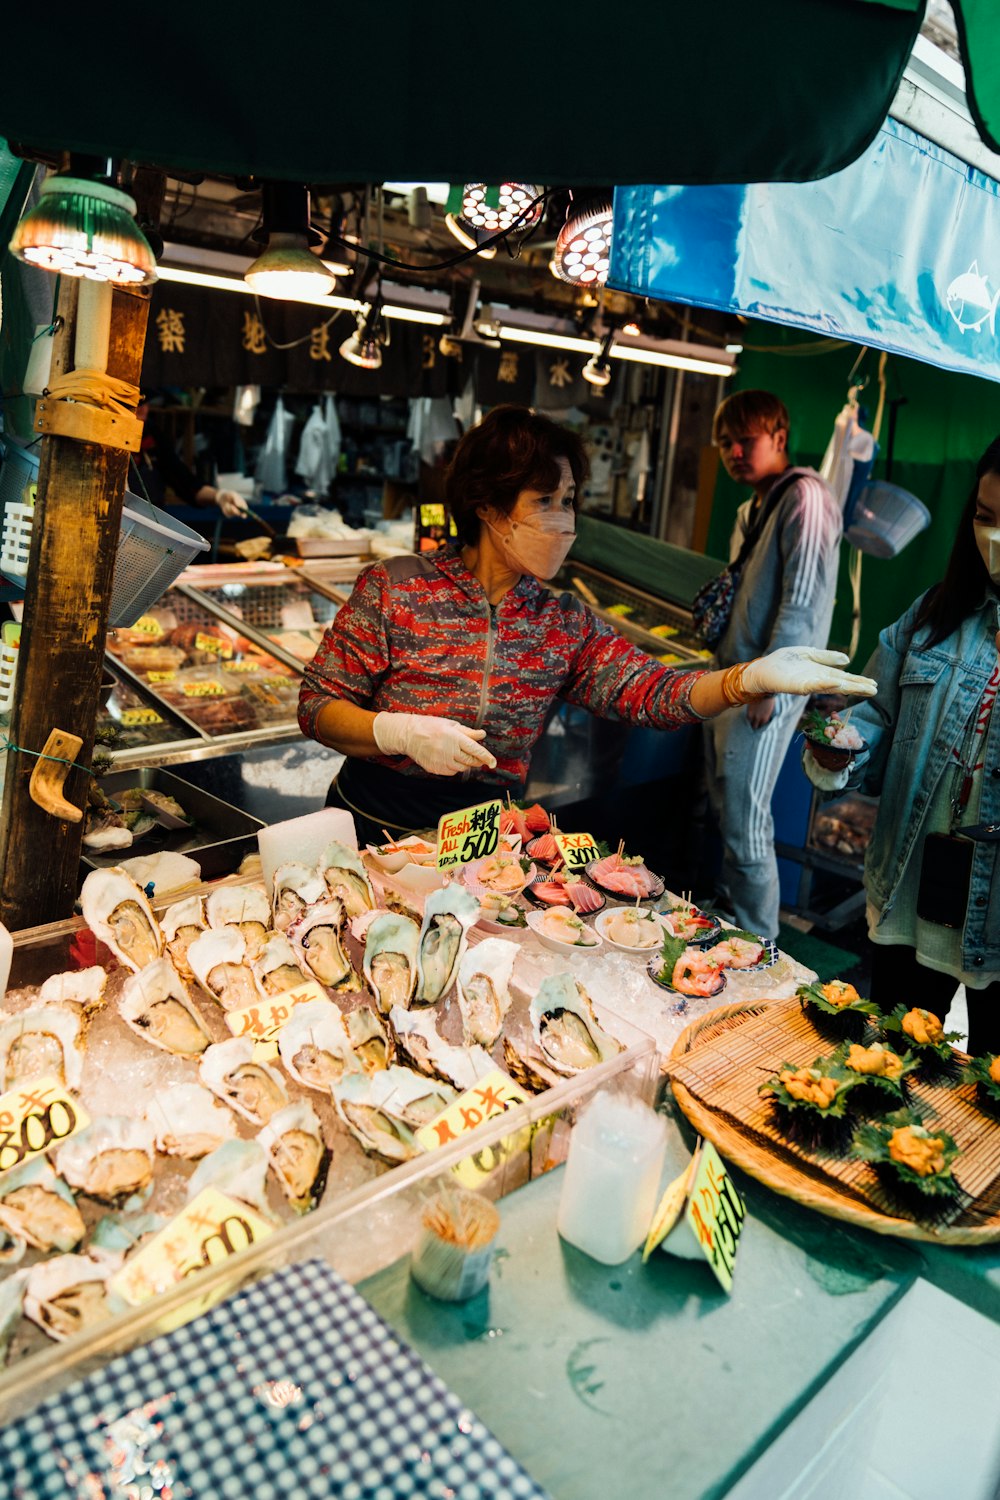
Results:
[435, 678]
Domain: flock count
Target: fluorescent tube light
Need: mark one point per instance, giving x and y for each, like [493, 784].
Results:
[214, 282]
[715, 362]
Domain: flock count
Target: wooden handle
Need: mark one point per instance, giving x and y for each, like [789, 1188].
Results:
[48, 777]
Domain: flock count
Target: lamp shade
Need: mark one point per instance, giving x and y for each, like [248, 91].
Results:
[288, 270]
[517, 207]
[582, 251]
[597, 370]
[82, 228]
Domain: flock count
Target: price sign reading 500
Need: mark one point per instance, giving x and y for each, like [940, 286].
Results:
[470, 834]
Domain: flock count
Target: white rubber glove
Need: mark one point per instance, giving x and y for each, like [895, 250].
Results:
[805, 670]
[439, 746]
[230, 503]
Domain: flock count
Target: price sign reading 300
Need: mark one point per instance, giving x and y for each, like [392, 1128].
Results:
[34, 1117]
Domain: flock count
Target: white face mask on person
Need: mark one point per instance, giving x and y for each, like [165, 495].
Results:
[988, 542]
[540, 545]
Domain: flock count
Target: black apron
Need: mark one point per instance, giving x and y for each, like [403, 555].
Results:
[384, 801]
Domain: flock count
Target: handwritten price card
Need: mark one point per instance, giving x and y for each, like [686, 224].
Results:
[34, 1117]
[245, 664]
[263, 1022]
[493, 1095]
[210, 1229]
[132, 717]
[467, 835]
[203, 690]
[160, 676]
[213, 644]
[577, 849]
[149, 626]
[704, 1201]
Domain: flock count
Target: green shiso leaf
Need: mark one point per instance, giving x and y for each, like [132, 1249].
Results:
[894, 1023]
[871, 1143]
[813, 995]
[977, 1070]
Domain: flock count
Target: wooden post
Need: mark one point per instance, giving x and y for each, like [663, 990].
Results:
[81, 488]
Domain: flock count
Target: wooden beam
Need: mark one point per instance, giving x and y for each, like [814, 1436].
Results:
[81, 488]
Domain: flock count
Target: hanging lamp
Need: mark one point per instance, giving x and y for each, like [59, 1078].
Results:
[84, 228]
[288, 269]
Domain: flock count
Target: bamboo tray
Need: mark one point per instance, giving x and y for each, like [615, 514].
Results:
[715, 1068]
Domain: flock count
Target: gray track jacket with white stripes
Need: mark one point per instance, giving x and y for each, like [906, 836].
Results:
[786, 590]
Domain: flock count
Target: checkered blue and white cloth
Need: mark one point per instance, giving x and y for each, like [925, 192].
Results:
[294, 1389]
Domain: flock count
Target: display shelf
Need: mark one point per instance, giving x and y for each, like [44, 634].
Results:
[633, 613]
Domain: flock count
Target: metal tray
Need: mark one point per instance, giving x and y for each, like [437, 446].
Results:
[221, 837]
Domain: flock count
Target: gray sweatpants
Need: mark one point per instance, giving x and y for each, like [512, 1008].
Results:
[742, 766]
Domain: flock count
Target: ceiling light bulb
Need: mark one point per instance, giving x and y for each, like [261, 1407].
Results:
[597, 371]
[514, 201]
[287, 269]
[631, 329]
[82, 228]
[364, 346]
[582, 245]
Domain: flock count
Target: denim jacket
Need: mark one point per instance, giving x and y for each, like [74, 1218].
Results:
[926, 698]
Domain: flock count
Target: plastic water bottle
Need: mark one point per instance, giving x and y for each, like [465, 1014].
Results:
[612, 1176]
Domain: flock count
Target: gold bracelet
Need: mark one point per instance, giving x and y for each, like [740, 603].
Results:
[732, 686]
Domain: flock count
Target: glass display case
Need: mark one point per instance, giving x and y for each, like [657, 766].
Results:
[288, 611]
[664, 630]
[130, 721]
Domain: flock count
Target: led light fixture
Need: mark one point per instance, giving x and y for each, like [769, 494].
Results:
[517, 208]
[597, 370]
[469, 237]
[583, 246]
[83, 228]
[364, 346]
[288, 268]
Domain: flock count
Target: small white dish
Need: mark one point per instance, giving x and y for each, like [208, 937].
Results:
[652, 920]
[537, 919]
[400, 854]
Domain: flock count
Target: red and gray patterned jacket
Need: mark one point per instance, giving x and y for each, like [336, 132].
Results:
[418, 636]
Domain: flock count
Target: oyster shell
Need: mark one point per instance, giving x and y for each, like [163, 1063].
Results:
[277, 969]
[182, 923]
[484, 997]
[188, 1120]
[298, 1154]
[361, 1104]
[238, 1168]
[294, 888]
[244, 907]
[155, 1004]
[346, 878]
[217, 958]
[66, 1295]
[253, 1089]
[318, 941]
[448, 915]
[420, 1045]
[83, 987]
[11, 1308]
[390, 963]
[528, 1068]
[111, 1160]
[314, 1046]
[37, 1207]
[117, 912]
[43, 1040]
[370, 1041]
[565, 1028]
[116, 1235]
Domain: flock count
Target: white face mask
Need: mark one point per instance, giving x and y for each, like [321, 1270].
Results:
[988, 542]
[539, 544]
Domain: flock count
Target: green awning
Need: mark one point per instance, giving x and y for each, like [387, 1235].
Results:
[785, 90]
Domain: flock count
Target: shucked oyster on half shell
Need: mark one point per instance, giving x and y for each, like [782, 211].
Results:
[218, 960]
[277, 969]
[484, 996]
[182, 923]
[83, 987]
[565, 1027]
[318, 942]
[294, 888]
[298, 1154]
[314, 1046]
[244, 907]
[67, 1294]
[372, 1109]
[370, 1040]
[36, 1206]
[45, 1039]
[237, 1168]
[420, 1045]
[117, 912]
[390, 962]
[346, 878]
[448, 915]
[155, 1004]
[253, 1089]
[189, 1120]
[111, 1160]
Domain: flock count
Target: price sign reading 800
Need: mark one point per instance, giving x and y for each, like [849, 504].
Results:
[34, 1117]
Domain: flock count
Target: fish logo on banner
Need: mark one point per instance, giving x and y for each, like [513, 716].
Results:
[968, 295]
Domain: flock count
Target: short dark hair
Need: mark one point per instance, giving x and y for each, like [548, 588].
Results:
[512, 449]
[960, 592]
[750, 411]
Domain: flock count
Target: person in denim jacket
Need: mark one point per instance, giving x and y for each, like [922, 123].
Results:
[932, 755]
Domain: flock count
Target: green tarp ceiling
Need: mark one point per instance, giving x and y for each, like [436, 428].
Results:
[675, 91]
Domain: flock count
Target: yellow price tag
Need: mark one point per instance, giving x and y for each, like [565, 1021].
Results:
[467, 835]
[263, 1022]
[160, 676]
[148, 625]
[213, 644]
[275, 682]
[34, 1117]
[669, 1209]
[577, 849]
[210, 1229]
[245, 664]
[203, 690]
[133, 716]
[716, 1213]
[493, 1095]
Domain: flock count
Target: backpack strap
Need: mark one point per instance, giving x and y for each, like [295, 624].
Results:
[753, 535]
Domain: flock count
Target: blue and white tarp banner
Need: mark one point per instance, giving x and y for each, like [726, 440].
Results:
[900, 251]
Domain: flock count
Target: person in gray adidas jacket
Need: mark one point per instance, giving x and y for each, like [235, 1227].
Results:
[784, 597]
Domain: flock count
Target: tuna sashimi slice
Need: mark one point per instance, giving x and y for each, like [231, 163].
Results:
[551, 892]
[584, 898]
[537, 818]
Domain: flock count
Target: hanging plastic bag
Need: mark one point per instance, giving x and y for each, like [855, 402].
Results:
[313, 463]
[271, 463]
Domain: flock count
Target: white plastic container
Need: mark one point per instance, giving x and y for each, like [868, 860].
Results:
[612, 1177]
